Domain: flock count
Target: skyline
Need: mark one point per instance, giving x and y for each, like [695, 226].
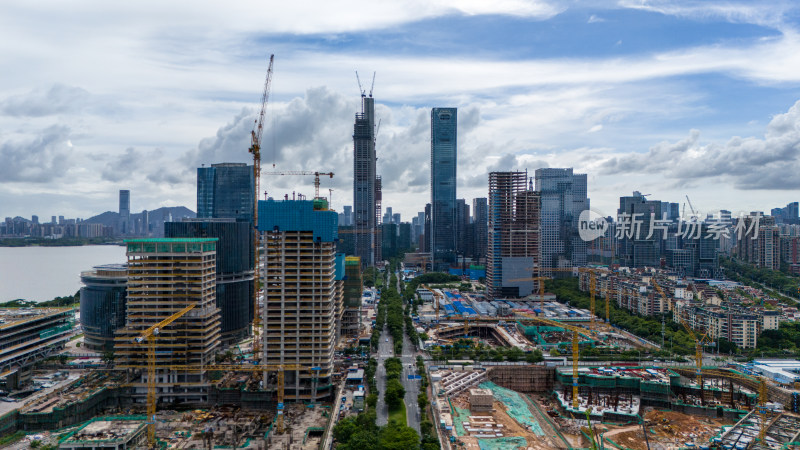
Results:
[646, 96]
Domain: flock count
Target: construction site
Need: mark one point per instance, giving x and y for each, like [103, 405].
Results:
[514, 406]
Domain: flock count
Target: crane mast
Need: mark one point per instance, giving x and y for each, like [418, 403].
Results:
[255, 149]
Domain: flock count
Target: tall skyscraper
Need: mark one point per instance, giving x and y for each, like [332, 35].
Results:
[124, 211]
[225, 191]
[303, 292]
[234, 269]
[638, 250]
[444, 148]
[225, 202]
[348, 216]
[365, 189]
[563, 199]
[514, 235]
[480, 222]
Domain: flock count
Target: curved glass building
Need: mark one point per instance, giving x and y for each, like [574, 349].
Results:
[103, 305]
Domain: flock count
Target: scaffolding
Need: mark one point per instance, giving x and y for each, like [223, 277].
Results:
[166, 276]
[514, 212]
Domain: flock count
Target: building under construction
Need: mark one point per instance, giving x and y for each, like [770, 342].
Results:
[164, 277]
[303, 293]
[353, 287]
[514, 238]
[29, 335]
[366, 185]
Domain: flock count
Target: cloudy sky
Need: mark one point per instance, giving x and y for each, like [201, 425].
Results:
[670, 98]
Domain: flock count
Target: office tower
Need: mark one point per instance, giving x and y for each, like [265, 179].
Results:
[303, 292]
[514, 235]
[164, 277]
[61, 220]
[234, 273]
[225, 191]
[444, 148]
[404, 242]
[35, 219]
[463, 245]
[353, 288]
[426, 231]
[396, 218]
[388, 240]
[124, 211]
[480, 222]
[103, 305]
[387, 216]
[365, 190]
[348, 216]
[563, 198]
[145, 231]
[53, 220]
[636, 249]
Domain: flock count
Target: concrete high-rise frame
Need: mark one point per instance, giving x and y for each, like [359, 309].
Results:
[165, 276]
[514, 235]
[303, 293]
[366, 190]
[444, 159]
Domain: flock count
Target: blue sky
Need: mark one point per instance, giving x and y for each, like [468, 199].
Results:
[671, 98]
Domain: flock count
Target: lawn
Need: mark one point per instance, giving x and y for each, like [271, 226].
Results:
[398, 414]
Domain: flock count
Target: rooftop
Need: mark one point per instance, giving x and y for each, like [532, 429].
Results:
[14, 316]
[106, 431]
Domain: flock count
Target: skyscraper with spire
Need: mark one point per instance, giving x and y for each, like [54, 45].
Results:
[366, 191]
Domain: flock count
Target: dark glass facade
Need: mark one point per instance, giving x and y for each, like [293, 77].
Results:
[234, 268]
[225, 191]
[103, 305]
[444, 145]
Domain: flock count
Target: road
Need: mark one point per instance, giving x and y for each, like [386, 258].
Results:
[385, 350]
[409, 360]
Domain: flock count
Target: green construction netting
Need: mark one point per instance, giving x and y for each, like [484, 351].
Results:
[515, 406]
[460, 415]
[503, 443]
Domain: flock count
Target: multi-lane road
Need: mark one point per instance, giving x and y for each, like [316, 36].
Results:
[385, 350]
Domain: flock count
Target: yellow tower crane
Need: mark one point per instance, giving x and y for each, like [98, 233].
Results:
[756, 383]
[575, 348]
[148, 336]
[304, 172]
[698, 355]
[255, 149]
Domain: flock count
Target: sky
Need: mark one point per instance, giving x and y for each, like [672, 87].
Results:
[672, 98]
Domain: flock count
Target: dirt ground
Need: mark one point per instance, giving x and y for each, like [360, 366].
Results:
[510, 426]
[668, 428]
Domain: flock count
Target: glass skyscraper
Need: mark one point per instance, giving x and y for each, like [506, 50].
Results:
[563, 198]
[225, 191]
[444, 147]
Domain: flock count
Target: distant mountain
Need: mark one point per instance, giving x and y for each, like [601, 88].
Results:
[156, 219]
[108, 218]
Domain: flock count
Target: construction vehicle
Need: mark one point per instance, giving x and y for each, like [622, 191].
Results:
[304, 172]
[255, 149]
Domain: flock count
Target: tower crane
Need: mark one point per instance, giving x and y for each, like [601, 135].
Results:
[304, 172]
[575, 348]
[754, 382]
[255, 149]
[698, 356]
[149, 336]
